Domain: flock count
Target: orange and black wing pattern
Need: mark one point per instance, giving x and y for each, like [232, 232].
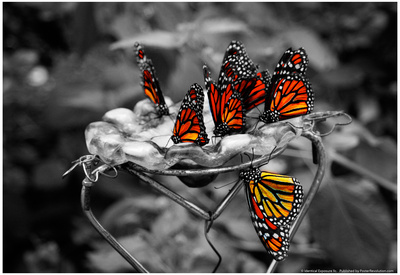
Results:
[236, 65]
[189, 125]
[290, 94]
[291, 62]
[149, 81]
[226, 107]
[254, 90]
[239, 69]
[274, 201]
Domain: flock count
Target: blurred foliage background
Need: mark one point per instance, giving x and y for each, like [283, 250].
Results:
[66, 64]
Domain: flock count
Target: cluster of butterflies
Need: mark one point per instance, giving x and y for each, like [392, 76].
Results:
[240, 88]
[274, 200]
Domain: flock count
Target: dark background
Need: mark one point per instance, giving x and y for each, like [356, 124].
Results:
[66, 64]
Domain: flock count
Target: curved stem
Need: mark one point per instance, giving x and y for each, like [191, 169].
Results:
[196, 210]
[207, 227]
[224, 203]
[321, 161]
[316, 140]
[138, 171]
[206, 171]
[85, 202]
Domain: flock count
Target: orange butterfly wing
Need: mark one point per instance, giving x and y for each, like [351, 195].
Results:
[239, 69]
[291, 62]
[274, 201]
[254, 90]
[189, 125]
[149, 81]
[233, 112]
[226, 107]
[280, 196]
[292, 96]
[274, 238]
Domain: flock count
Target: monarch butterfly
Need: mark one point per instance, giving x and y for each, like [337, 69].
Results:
[290, 94]
[226, 107]
[149, 81]
[236, 64]
[238, 68]
[291, 62]
[274, 201]
[189, 125]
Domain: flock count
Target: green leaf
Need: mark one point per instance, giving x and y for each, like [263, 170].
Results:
[352, 224]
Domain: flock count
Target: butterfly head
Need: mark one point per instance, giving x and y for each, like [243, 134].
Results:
[162, 110]
[176, 139]
[269, 116]
[235, 47]
[250, 174]
[140, 55]
[221, 129]
[292, 62]
[207, 74]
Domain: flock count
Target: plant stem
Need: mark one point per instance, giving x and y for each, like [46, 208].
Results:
[206, 171]
[85, 202]
[228, 198]
[321, 162]
[196, 210]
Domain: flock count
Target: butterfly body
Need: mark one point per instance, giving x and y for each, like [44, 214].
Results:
[290, 93]
[226, 107]
[274, 201]
[149, 81]
[189, 125]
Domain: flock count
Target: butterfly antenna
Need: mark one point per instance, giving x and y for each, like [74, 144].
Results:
[248, 155]
[167, 142]
[254, 127]
[252, 157]
[259, 110]
[207, 227]
[258, 118]
[170, 116]
[269, 158]
[222, 186]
